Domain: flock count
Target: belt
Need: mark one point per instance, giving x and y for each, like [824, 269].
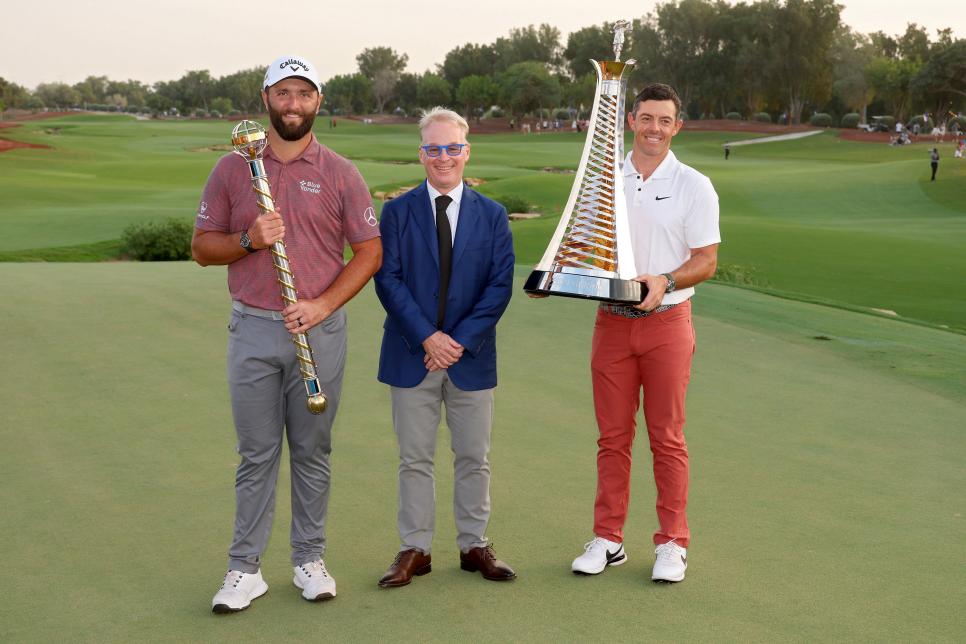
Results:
[630, 312]
[257, 312]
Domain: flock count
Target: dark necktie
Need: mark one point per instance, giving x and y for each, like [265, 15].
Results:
[444, 236]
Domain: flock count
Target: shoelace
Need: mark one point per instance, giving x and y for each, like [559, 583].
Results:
[595, 543]
[667, 551]
[232, 578]
[314, 566]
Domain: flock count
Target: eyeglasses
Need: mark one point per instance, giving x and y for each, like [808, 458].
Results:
[453, 149]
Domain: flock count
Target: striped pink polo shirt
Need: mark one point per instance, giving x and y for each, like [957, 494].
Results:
[322, 199]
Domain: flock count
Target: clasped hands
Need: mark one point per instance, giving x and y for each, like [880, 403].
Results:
[442, 351]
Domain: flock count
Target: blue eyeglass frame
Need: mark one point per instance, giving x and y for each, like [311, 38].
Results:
[439, 149]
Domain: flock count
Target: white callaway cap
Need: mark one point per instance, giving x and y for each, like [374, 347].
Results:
[291, 66]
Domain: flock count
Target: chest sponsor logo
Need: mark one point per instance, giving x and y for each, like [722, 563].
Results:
[370, 216]
[308, 186]
[202, 207]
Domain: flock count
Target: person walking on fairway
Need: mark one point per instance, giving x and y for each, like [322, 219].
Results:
[934, 162]
[325, 203]
[445, 281]
[673, 215]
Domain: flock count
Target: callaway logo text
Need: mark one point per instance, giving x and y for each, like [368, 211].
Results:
[295, 64]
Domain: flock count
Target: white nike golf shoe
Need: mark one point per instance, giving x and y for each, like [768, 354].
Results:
[598, 554]
[315, 581]
[237, 591]
[671, 562]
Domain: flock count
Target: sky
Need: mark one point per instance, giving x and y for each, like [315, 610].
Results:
[67, 40]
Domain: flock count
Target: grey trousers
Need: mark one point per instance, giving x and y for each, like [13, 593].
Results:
[267, 402]
[415, 417]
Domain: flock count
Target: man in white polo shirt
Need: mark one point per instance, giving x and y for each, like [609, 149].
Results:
[673, 215]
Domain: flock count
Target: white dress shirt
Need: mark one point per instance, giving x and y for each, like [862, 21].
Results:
[452, 210]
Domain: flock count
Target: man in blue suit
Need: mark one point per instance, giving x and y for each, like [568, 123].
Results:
[446, 278]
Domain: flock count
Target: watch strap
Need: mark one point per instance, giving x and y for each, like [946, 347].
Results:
[671, 284]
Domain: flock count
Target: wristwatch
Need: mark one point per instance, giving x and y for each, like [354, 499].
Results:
[670, 282]
[246, 242]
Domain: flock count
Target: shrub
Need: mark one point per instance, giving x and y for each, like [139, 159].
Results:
[562, 114]
[158, 241]
[495, 112]
[762, 117]
[200, 113]
[957, 120]
[323, 112]
[513, 203]
[733, 116]
[215, 114]
[850, 120]
[821, 119]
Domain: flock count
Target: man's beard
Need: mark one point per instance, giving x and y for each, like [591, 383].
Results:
[291, 132]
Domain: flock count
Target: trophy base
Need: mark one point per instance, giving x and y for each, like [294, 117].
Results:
[587, 287]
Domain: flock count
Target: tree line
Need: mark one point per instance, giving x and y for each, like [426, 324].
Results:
[784, 59]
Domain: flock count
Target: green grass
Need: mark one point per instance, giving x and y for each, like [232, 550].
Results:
[850, 224]
[827, 469]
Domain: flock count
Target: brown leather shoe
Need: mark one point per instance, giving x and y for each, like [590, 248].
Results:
[407, 563]
[485, 561]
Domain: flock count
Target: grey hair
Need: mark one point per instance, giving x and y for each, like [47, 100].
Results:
[442, 114]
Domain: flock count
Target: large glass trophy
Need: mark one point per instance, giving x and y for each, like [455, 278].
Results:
[590, 254]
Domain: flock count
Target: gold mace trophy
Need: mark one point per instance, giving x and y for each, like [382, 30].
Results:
[590, 254]
[248, 139]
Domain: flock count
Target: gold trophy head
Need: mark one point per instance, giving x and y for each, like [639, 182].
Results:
[317, 403]
[248, 139]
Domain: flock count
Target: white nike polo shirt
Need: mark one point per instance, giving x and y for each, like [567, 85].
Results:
[673, 211]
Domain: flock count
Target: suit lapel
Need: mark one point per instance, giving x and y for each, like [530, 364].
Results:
[465, 223]
[425, 218]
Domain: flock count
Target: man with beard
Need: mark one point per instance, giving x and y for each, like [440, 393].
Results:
[326, 204]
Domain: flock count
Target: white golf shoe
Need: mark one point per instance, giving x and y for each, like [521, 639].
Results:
[598, 554]
[671, 562]
[315, 581]
[237, 591]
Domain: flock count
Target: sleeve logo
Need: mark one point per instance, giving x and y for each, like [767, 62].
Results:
[202, 207]
[370, 216]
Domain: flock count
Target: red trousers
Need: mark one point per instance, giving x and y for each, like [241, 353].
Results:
[652, 353]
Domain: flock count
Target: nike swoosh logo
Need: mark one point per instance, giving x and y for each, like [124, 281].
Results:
[684, 560]
[662, 198]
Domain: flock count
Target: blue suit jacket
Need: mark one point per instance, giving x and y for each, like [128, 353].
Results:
[480, 286]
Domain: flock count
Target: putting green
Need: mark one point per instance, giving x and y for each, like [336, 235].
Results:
[826, 499]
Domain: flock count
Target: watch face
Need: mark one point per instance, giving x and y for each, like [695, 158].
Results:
[245, 241]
